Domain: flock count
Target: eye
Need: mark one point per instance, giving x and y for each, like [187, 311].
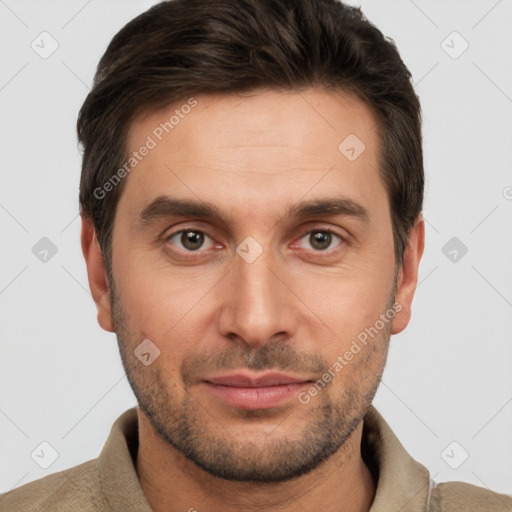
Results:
[320, 240]
[190, 240]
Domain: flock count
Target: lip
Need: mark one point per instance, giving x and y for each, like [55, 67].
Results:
[250, 391]
[245, 380]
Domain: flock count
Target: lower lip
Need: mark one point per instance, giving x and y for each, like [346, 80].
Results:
[256, 398]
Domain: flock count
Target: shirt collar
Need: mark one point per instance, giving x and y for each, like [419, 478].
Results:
[117, 467]
[404, 484]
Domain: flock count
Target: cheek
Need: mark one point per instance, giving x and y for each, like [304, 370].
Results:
[349, 301]
[167, 309]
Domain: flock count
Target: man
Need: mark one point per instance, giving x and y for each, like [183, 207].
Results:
[251, 198]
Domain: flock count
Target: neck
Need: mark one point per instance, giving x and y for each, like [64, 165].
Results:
[172, 483]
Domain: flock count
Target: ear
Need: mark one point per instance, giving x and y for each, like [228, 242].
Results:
[408, 275]
[97, 274]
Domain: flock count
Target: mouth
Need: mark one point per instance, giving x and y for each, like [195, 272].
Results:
[255, 391]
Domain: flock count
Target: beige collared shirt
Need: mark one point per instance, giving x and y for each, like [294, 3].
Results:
[110, 482]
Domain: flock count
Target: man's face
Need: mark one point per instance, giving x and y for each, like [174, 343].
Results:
[256, 290]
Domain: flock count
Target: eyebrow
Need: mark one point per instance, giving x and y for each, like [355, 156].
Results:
[166, 206]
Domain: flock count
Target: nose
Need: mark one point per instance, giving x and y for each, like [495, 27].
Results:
[258, 305]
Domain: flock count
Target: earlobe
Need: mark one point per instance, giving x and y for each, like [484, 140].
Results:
[97, 275]
[408, 275]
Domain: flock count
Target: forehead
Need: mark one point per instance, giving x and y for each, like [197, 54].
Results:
[254, 149]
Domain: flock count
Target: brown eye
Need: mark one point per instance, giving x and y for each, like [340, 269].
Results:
[320, 240]
[192, 240]
[189, 240]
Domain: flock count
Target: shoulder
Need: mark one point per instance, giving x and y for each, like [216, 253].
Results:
[75, 489]
[464, 497]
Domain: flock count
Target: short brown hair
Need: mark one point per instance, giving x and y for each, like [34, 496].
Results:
[180, 48]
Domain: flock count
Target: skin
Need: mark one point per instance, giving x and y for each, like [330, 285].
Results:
[296, 308]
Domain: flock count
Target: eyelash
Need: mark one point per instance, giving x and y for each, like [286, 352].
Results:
[328, 252]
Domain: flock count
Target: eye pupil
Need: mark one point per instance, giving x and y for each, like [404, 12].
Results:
[320, 239]
[192, 240]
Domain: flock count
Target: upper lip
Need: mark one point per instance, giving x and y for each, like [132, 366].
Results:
[245, 380]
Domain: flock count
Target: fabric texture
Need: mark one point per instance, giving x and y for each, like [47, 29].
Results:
[110, 482]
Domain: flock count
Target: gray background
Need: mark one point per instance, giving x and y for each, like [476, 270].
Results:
[447, 388]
